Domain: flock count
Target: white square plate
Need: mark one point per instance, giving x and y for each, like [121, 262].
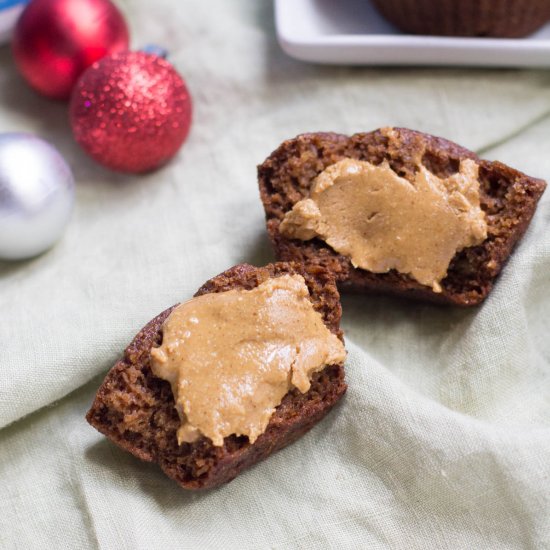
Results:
[352, 32]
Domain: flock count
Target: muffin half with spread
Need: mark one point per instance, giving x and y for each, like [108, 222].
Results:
[396, 211]
[220, 382]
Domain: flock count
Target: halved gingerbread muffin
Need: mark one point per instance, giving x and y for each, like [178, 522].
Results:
[136, 409]
[506, 197]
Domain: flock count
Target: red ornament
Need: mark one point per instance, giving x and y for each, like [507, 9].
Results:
[131, 111]
[56, 40]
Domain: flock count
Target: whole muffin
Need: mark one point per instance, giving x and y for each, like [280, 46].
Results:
[496, 18]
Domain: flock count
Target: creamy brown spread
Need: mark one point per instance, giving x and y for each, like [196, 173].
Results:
[382, 221]
[231, 357]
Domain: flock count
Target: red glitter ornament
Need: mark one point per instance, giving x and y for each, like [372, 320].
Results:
[131, 111]
[56, 40]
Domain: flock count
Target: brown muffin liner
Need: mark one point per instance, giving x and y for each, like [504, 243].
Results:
[496, 18]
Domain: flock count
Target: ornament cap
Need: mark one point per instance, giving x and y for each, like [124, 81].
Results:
[154, 49]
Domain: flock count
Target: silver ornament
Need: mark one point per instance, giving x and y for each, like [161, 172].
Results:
[36, 196]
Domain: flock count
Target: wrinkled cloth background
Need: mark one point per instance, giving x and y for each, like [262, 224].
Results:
[443, 440]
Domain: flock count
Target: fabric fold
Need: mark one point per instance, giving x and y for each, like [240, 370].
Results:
[443, 438]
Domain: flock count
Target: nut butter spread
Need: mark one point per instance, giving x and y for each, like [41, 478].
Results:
[232, 356]
[382, 221]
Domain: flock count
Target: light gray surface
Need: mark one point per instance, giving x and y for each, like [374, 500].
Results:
[443, 439]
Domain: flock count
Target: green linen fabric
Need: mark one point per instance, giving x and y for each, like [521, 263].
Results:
[443, 439]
